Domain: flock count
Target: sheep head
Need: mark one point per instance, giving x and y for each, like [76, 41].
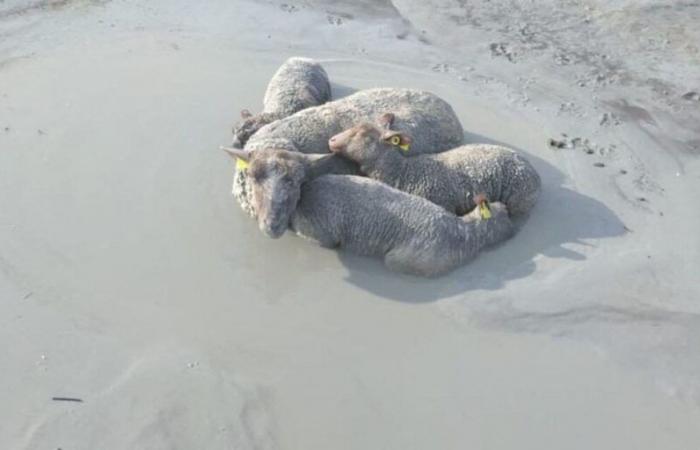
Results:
[274, 177]
[247, 126]
[367, 141]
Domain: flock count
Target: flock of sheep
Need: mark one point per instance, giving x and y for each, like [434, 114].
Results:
[382, 172]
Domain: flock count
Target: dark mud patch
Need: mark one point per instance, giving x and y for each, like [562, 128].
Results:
[691, 96]
[581, 144]
[287, 7]
[503, 49]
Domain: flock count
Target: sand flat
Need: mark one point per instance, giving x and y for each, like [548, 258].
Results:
[131, 280]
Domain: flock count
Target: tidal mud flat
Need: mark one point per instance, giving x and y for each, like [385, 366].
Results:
[130, 279]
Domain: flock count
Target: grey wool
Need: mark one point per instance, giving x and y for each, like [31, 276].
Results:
[298, 84]
[430, 120]
[274, 179]
[450, 179]
[411, 234]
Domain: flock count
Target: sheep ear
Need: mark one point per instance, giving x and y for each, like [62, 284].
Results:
[386, 120]
[397, 139]
[311, 158]
[236, 153]
[245, 114]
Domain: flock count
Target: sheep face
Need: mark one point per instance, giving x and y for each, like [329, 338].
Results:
[275, 178]
[366, 141]
[246, 127]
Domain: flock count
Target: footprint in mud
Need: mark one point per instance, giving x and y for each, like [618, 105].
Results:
[442, 68]
[286, 7]
[691, 96]
[609, 119]
[562, 58]
[583, 144]
[334, 20]
[503, 49]
[570, 108]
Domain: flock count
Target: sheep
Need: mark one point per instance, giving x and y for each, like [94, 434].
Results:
[299, 83]
[431, 121]
[449, 179]
[428, 118]
[274, 179]
[411, 234]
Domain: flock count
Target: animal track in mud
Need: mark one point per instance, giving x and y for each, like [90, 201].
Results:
[334, 20]
[287, 7]
[692, 96]
[449, 69]
[503, 49]
[583, 144]
[602, 76]
[609, 119]
[443, 68]
[562, 59]
[570, 108]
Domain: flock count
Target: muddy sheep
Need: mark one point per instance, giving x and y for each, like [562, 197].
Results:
[411, 234]
[450, 179]
[298, 84]
[431, 121]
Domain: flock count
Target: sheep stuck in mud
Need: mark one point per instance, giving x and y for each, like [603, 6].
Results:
[411, 234]
[430, 120]
[298, 84]
[275, 178]
[450, 179]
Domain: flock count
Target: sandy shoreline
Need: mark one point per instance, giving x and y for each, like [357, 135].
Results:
[130, 279]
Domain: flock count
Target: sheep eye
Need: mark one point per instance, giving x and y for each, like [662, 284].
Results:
[258, 175]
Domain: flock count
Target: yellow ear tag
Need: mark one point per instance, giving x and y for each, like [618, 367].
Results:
[396, 140]
[484, 210]
[241, 164]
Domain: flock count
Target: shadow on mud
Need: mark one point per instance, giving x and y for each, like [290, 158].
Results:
[562, 216]
[339, 91]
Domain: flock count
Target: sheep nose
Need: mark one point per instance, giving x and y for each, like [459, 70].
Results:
[333, 143]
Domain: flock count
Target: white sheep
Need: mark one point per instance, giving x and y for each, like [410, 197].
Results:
[430, 120]
[450, 179]
[411, 234]
[298, 84]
